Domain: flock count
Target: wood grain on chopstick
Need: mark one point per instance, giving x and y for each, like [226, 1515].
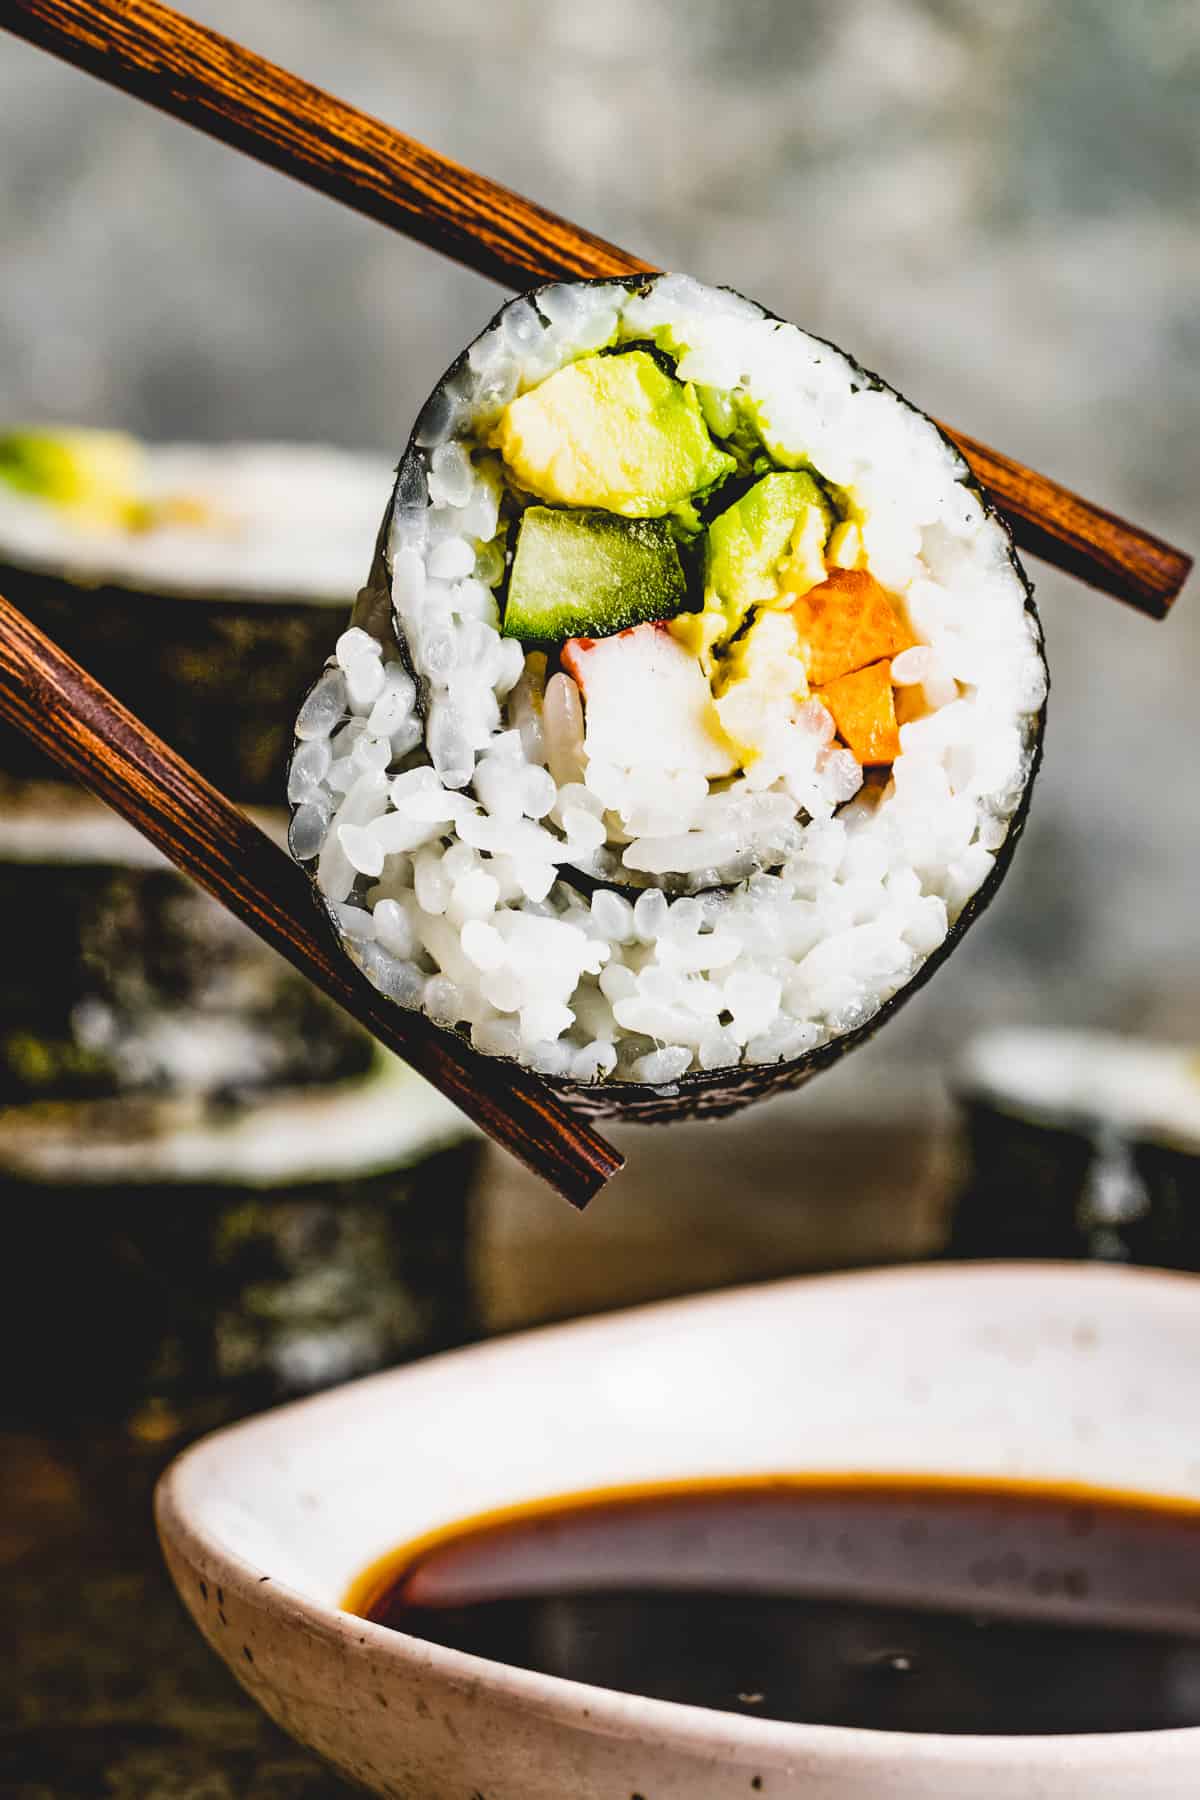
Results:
[1078, 536]
[79, 723]
[229, 92]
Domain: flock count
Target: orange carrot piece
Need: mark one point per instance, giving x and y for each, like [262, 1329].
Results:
[846, 623]
[910, 704]
[864, 713]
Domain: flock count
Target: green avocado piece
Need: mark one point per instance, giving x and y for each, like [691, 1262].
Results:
[588, 574]
[95, 473]
[615, 432]
[36, 463]
[749, 540]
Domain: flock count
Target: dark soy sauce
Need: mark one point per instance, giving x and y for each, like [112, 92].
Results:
[897, 1605]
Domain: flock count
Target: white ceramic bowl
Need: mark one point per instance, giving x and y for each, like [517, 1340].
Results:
[1069, 1373]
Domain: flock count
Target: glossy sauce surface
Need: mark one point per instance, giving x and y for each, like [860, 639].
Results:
[888, 1604]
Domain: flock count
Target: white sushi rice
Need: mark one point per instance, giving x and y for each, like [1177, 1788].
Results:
[440, 847]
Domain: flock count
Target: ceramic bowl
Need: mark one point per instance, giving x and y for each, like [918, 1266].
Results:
[1062, 1373]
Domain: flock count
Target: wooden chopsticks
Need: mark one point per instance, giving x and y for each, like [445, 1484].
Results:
[79, 723]
[232, 94]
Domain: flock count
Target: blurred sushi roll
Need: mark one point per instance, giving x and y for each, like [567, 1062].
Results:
[168, 1267]
[1080, 1144]
[132, 984]
[689, 714]
[200, 583]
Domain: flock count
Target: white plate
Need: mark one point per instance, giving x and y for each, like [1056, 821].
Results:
[1060, 1373]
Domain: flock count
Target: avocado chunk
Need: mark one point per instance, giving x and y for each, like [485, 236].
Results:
[749, 542]
[588, 574]
[615, 432]
[764, 550]
[93, 474]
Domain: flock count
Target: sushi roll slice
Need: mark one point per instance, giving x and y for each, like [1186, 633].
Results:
[690, 712]
[170, 1267]
[1079, 1144]
[201, 584]
[132, 986]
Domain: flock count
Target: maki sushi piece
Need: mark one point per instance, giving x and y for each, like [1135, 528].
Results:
[690, 711]
[1080, 1144]
[222, 1259]
[132, 986]
[200, 583]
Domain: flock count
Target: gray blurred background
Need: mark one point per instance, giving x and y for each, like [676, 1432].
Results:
[993, 202]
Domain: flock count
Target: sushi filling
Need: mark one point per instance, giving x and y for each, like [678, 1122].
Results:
[712, 697]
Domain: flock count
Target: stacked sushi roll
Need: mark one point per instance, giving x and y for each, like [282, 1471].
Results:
[199, 583]
[170, 1265]
[234, 1194]
[133, 986]
[1079, 1144]
[691, 709]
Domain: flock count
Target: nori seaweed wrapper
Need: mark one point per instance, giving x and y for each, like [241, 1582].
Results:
[1070, 1178]
[218, 679]
[1166, 1232]
[159, 1268]
[131, 981]
[727, 1090]
[205, 595]
[1024, 1194]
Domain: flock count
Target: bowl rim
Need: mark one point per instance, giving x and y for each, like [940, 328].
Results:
[605, 1711]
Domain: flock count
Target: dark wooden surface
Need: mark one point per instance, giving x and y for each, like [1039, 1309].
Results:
[232, 94]
[106, 1686]
[48, 696]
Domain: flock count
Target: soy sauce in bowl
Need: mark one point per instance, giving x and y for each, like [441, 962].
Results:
[879, 1602]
